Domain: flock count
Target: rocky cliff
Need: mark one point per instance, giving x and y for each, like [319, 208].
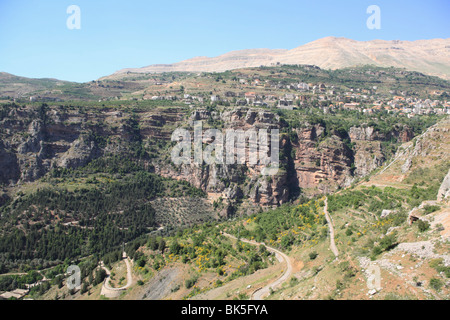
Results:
[37, 140]
[444, 190]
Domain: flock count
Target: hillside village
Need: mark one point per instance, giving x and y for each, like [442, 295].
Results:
[242, 89]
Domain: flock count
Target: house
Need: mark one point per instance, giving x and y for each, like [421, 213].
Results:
[352, 105]
[250, 97]
[285, 102]
[259, 103]
[286, 107]
[322, 87]
[303, 86]
[289, 96]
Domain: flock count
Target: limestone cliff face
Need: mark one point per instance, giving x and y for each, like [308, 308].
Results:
[321, 164]
[432, 143]
[233, 182]
[9, 166]
[34, 142]
[444, 190]
[368, 153]
[79, 154]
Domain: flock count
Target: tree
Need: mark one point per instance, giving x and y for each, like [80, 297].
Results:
[152, 244]
[175, 247]
[162, 245]
[84, 287]
[100, 275]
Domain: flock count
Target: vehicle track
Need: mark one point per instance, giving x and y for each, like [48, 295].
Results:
[260, 293]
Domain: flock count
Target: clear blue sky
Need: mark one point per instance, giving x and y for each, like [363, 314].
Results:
[35, 41]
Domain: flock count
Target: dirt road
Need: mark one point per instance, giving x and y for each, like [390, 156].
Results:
[109, 291]
[260, 293]
[330, 226]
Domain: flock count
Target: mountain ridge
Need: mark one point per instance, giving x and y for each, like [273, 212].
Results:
[431, 57]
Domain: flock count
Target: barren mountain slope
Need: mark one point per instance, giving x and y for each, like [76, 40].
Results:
[427, 56]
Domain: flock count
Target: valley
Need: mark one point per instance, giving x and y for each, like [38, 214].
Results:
[88, 174]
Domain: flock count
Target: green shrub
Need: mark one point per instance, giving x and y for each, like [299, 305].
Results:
[436, 284]
[189, 283]
[430, 209]
[313, 255]
[423, 225]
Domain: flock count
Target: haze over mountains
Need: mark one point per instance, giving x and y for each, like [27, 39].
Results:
[430, 57]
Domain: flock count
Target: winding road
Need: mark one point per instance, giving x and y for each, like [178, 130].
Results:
[109, 291]
[260, 293]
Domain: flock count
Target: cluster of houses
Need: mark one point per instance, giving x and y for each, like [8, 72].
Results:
[416, 106]
[363, 100]
[398, 104]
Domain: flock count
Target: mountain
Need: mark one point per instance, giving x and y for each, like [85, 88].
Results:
[15, 86]
[431, 57]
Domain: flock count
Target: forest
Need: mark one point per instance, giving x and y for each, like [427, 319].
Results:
[55, 223]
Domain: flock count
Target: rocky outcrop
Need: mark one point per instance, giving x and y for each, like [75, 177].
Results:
[322, 164]
[34, 143]
[431, 143]
[368, 153]
[80, 153]
[313, 160]
[9, 166]
[363, 134]
[444, 190]
[235, 181]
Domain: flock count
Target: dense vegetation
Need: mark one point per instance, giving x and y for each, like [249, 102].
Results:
[56, 223]
[285, 226]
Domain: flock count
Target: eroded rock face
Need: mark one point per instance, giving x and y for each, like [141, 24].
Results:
[9, 166]
[321, 164]
[363, 134]
[444, 190]
[235, 181]
[79, 154]
[313, 163]
[368, 153]
[33, 143]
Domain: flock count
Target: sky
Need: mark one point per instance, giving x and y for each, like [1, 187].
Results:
[36, 42]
